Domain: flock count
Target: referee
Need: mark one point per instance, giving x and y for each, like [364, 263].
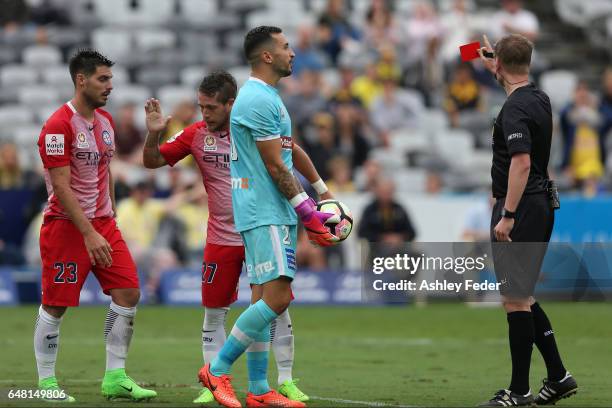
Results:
[524, 215]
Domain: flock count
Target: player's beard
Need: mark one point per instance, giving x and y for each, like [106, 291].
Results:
[284, 71]
[93, 101]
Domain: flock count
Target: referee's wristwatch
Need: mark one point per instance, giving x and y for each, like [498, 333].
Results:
[508, 214]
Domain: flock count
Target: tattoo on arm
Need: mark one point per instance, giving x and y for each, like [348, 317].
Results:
[286, 183]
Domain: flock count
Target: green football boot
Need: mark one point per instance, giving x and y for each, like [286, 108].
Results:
[117, 384]
[50, 384]
[291, 391]
[205, 397]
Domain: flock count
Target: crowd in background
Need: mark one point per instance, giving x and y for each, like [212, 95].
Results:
[357, 85]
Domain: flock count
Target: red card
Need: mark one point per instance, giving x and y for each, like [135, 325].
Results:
[469, 51]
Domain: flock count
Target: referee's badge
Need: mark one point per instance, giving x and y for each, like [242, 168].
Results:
[210, 144]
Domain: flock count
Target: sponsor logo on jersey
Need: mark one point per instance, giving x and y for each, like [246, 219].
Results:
[94, 158]
[173, 138]
[106, 137]
[286, 142]
[54, 144]
[82, 141]
[210, 144]
[240, 183]
[515, 136]
[220, 160]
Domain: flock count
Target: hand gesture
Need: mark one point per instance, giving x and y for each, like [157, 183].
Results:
[489, 63]
[156, 122]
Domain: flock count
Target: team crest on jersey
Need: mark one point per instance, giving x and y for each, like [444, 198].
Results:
[54, 144]
[82, 141]
[106, 137]
[210, 144]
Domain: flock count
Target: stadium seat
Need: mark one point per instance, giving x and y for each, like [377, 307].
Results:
[241, 73]
[198, 11]
[559, 85]
[192, 75]
[409, 140]
[15, 115]
[171, 95]
[155, 77]
[113, 42]
[455, 146]
[26, 135]
[16, 75]
[434, 120]
[153, 12]
[147, 40]
[127, 93]
[38, 95]
[120, 75]
[410, 180]
[57, 75]
[113, 12]
[44, 112]
[580, 13]
[41, 55]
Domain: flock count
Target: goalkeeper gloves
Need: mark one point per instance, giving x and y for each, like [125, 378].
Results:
[313, 220]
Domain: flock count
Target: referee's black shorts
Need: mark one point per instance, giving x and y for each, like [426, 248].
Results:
[517, 263]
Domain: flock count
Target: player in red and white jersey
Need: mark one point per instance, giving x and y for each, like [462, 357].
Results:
[79, 233]
[208, 141]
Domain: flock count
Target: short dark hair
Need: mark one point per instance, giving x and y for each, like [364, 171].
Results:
[514, 53]
[255, 38]
[220, 84]
[85, 61]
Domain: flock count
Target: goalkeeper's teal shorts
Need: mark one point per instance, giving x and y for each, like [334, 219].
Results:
[270, 252]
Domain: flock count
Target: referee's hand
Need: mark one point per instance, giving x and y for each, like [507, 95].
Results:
[503, 228]
[489, 63]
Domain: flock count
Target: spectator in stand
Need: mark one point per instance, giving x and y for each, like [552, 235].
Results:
[422, 28]
[382, 29]
[307, 57]
[367, 87]
[320, 142]
[384, 220]
[514, 19]
[128, 139]
[140, 216]
[464, 101]
[14, 14]
[335, 32]
[394, 109]
[458, 30]
[307, 101]
[580, 125]
[605, 107]
[370, 173]
[340, 181]
[351, 120]
[12, 176]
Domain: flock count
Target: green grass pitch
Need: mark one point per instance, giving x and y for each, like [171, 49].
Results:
[446, 355]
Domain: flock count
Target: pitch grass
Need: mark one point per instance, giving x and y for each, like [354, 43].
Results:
[440, 355]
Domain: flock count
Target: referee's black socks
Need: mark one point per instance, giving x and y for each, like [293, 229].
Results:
[545, 340]
[521, 332]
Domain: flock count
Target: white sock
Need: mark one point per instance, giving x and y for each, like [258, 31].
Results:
[118, 330]
[46, 342]
[213, 332]
[281, 336]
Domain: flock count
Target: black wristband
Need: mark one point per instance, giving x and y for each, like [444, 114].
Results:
[508, 214]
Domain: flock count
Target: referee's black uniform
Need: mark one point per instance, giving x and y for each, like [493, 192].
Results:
[524, 125]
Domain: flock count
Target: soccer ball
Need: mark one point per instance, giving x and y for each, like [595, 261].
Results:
[341, 223]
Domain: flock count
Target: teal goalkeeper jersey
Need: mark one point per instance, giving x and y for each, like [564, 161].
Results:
[258, 114]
